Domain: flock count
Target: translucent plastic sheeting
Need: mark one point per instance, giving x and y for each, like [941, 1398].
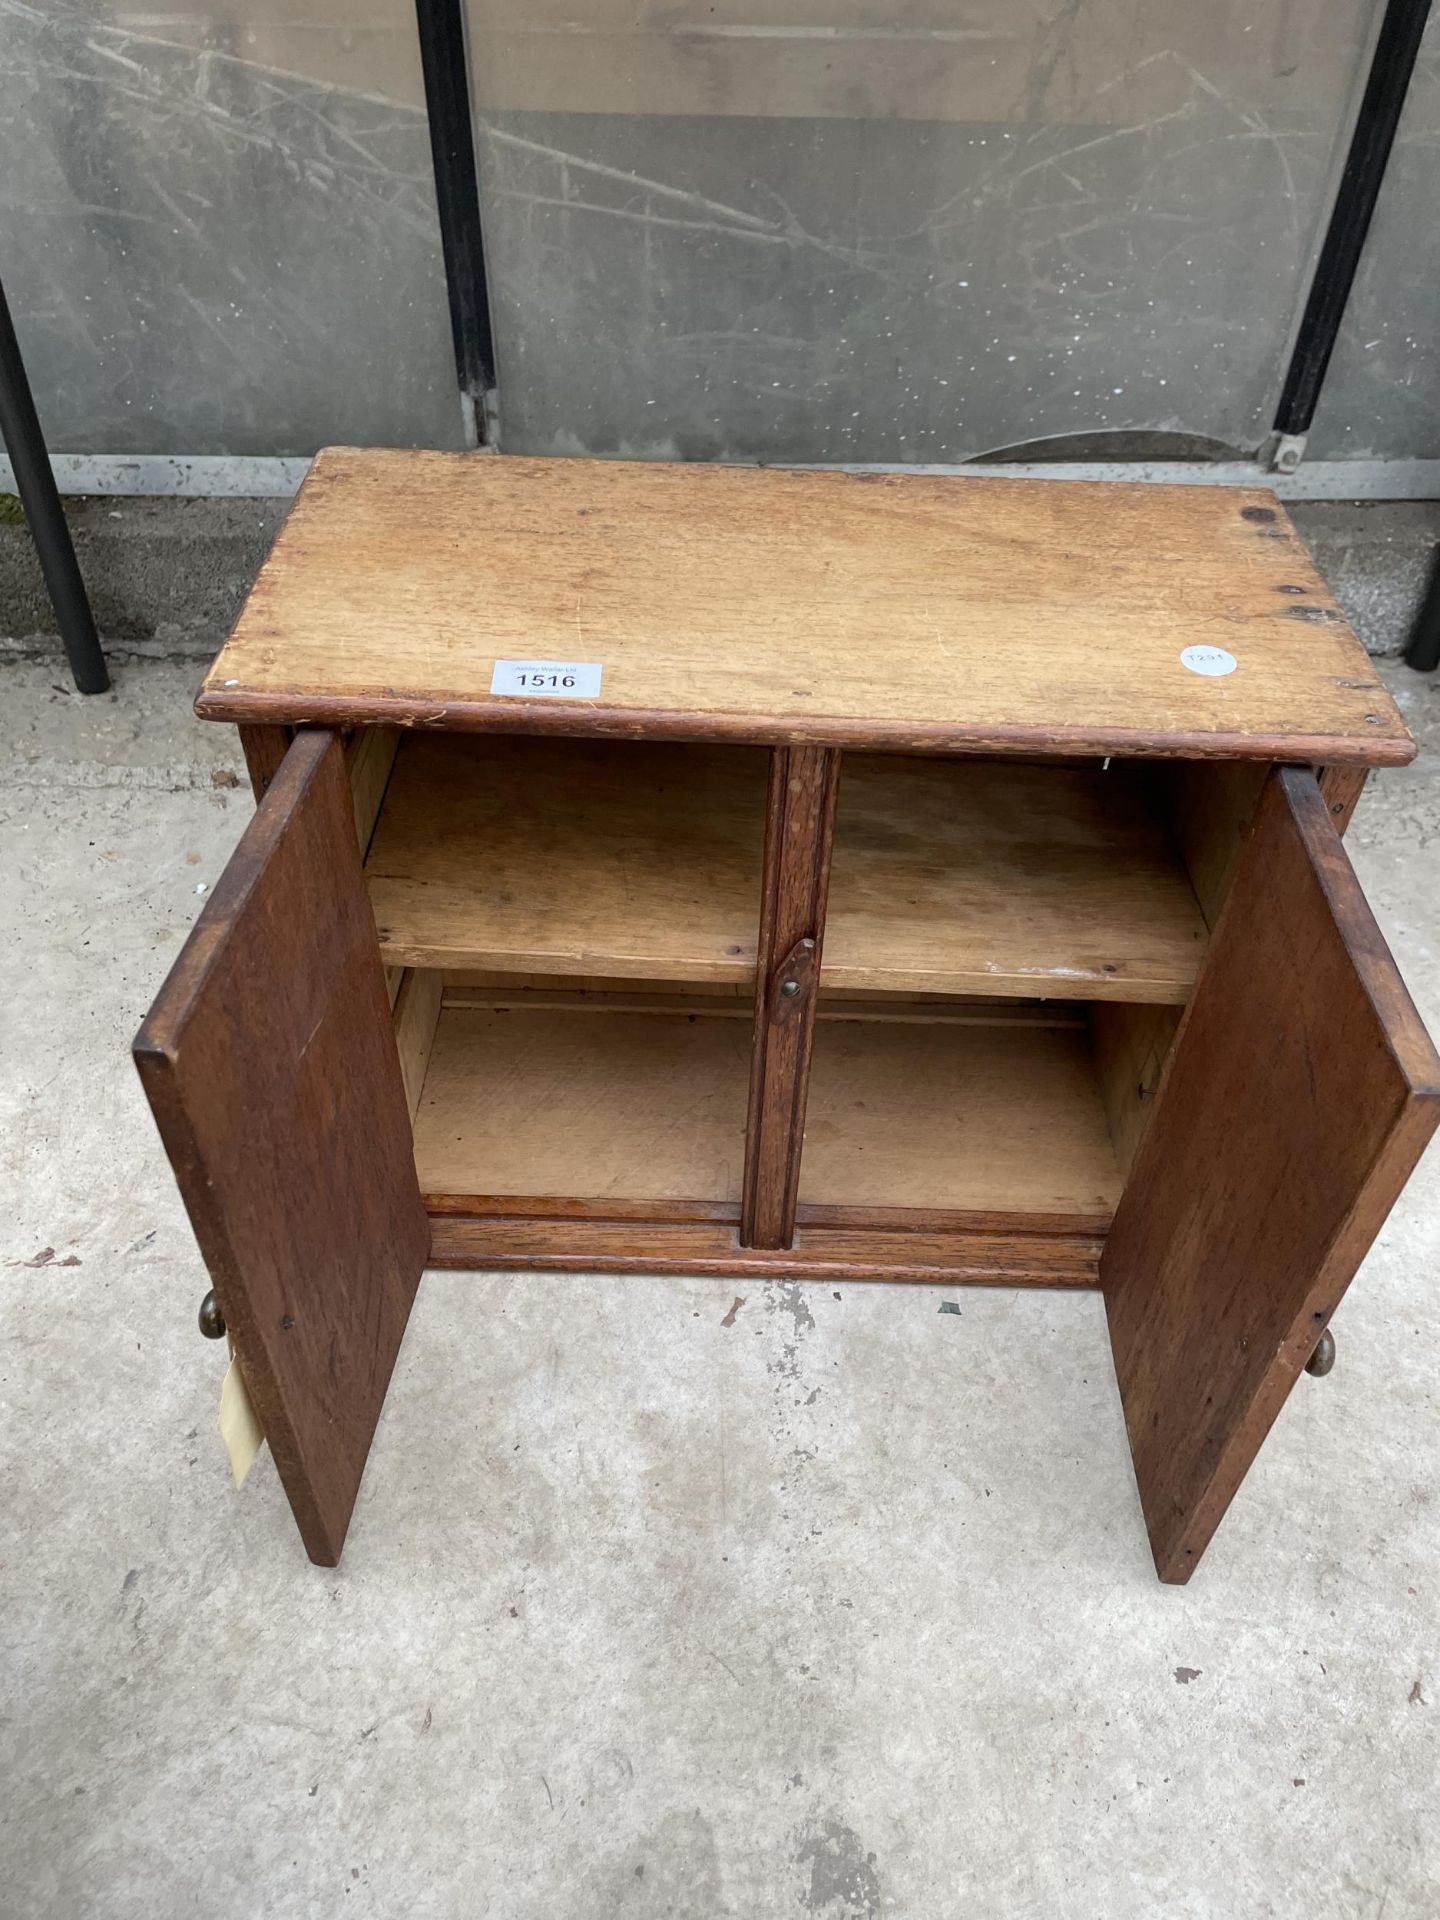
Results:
[1381, 397]
[219, 229]
[765, 229]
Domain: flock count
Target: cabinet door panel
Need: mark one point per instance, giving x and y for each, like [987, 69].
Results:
[270, 1064]
[1301, 1091]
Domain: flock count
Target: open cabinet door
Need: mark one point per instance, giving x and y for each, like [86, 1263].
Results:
[1300, 1093]
[271, 1068]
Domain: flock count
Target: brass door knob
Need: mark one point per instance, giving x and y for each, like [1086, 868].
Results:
[1323, 1358]
[212, 1321]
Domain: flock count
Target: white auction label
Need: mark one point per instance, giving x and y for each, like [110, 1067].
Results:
[547, 679]
[1211, 661]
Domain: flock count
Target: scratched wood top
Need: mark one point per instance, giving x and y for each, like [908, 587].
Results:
[909, 611]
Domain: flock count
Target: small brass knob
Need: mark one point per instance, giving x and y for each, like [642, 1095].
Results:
[212, 1321]
[1323, 1358]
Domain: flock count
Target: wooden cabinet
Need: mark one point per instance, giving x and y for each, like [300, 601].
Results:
[945, 883]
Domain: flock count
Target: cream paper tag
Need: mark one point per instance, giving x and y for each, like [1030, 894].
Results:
[548, 679]
[237, 1425]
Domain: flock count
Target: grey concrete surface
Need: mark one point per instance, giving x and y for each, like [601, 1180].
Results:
[1377, 557]
[840, 1611]
[164, 576]
[167, 576]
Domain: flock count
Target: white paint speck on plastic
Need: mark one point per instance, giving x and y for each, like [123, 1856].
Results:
[1211, 661]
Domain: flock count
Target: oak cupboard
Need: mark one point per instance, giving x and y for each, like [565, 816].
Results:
[680, 868]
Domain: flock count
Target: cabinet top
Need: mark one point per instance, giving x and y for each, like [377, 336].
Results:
[903, 611]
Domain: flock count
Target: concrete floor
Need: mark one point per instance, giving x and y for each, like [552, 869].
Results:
[841, 1610]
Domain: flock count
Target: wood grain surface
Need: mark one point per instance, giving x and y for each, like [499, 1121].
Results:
[1003, 1119]
[613, 859]
[1211, 807]
[571, 856]
[1341, 789]
[271, 1067]
[1301, 1089]
[415, 1015]
[369, 762]
[958, 1258]
[911, 1220]
[634, 1106]
[264, 749]
[642, 1107]
[1131, 1047]
[799, 828]
[981, 876]
[663, 996]
[944, 614]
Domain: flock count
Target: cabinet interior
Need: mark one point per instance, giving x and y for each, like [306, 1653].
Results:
[569, 930]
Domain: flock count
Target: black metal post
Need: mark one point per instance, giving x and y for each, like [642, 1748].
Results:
[35, 483]
[1370, 144]
[1423, 652]
[444, 62]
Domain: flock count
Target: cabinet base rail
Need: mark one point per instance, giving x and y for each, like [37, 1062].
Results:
[985, 1253]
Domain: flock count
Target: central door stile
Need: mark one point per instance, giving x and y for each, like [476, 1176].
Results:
[799, 830]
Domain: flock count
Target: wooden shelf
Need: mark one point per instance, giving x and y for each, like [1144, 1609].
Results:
[592, 1105]
[992, 877]
[620, 861]
[571, 857]
[999, 1118]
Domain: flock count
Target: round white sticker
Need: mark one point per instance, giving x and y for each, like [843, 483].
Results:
[1211, 661]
